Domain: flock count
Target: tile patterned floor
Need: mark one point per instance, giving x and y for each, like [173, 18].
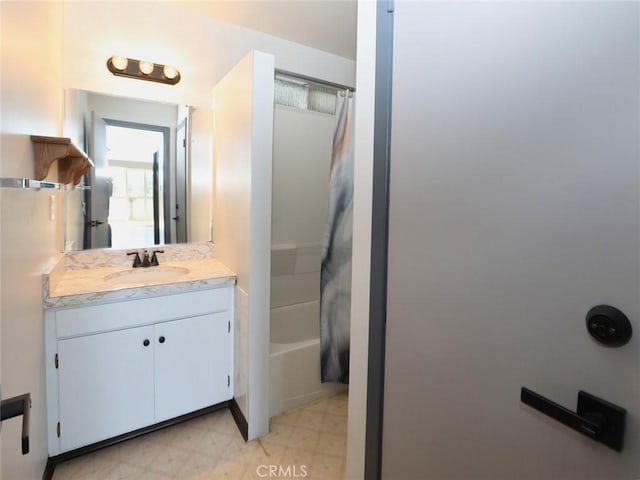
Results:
[307, 442]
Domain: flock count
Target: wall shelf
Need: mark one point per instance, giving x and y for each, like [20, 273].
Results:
[73, 163]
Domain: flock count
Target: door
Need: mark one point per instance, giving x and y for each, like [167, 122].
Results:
[192, 364]
[97, 225]
[514, 209]
[101, 396]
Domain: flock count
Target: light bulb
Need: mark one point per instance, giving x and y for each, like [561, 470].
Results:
[146, 67]
[170, 72]
[120, 63]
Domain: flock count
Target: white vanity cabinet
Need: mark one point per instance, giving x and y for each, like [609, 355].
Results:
[116, 367]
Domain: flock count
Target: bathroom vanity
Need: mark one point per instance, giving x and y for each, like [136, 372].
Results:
[122, 355]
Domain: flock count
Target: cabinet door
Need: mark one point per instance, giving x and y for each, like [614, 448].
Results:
[192, 364]
[105, 385]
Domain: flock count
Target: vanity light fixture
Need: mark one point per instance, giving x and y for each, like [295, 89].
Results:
[143, 70]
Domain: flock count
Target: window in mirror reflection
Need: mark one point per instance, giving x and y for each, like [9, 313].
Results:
[135, 157]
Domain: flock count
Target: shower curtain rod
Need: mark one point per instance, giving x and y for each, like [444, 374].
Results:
[317, 81]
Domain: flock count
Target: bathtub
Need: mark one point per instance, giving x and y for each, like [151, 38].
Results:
[294, 359]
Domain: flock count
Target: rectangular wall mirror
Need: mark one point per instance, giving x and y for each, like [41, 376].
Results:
[137, 195]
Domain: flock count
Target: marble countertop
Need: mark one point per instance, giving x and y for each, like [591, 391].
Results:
[88, 285]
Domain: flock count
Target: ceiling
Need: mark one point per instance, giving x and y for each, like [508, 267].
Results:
[328, 25]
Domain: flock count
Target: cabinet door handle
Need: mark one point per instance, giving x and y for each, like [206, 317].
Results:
[162, 339]
[146, 342]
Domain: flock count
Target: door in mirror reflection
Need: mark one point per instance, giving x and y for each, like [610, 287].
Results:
[96, 229]
[128, 201]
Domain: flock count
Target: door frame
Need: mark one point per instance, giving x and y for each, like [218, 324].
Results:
[379, 241]
[166, 168]
[180, 181]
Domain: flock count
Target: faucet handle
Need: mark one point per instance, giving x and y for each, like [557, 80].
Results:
[154, 257]
[136, 261]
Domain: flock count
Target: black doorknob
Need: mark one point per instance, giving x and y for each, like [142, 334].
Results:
[608, 326]
[146, 342]
[161, 339]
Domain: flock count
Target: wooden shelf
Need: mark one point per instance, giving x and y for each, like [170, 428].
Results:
[73, 163]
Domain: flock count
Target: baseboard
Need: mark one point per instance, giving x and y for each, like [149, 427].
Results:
[238, 416]
[49, 468]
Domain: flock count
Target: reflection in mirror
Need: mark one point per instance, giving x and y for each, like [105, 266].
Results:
[136, 195]
[134, 181]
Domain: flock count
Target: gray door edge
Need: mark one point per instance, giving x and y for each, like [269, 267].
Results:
[379, 241]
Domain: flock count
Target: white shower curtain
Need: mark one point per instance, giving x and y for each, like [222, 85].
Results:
[335, 284]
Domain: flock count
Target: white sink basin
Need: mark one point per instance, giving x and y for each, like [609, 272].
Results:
[147, 275]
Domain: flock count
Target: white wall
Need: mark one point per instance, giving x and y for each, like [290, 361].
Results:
[1, 136]
[243, 137]
[204, 49]
[361, 264]
[31, 103]
[134, 110]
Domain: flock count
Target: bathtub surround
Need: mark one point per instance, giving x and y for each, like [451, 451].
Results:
[294, 364]
[335, 284]
[294, 360]
[302, 149]
[295, 276]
